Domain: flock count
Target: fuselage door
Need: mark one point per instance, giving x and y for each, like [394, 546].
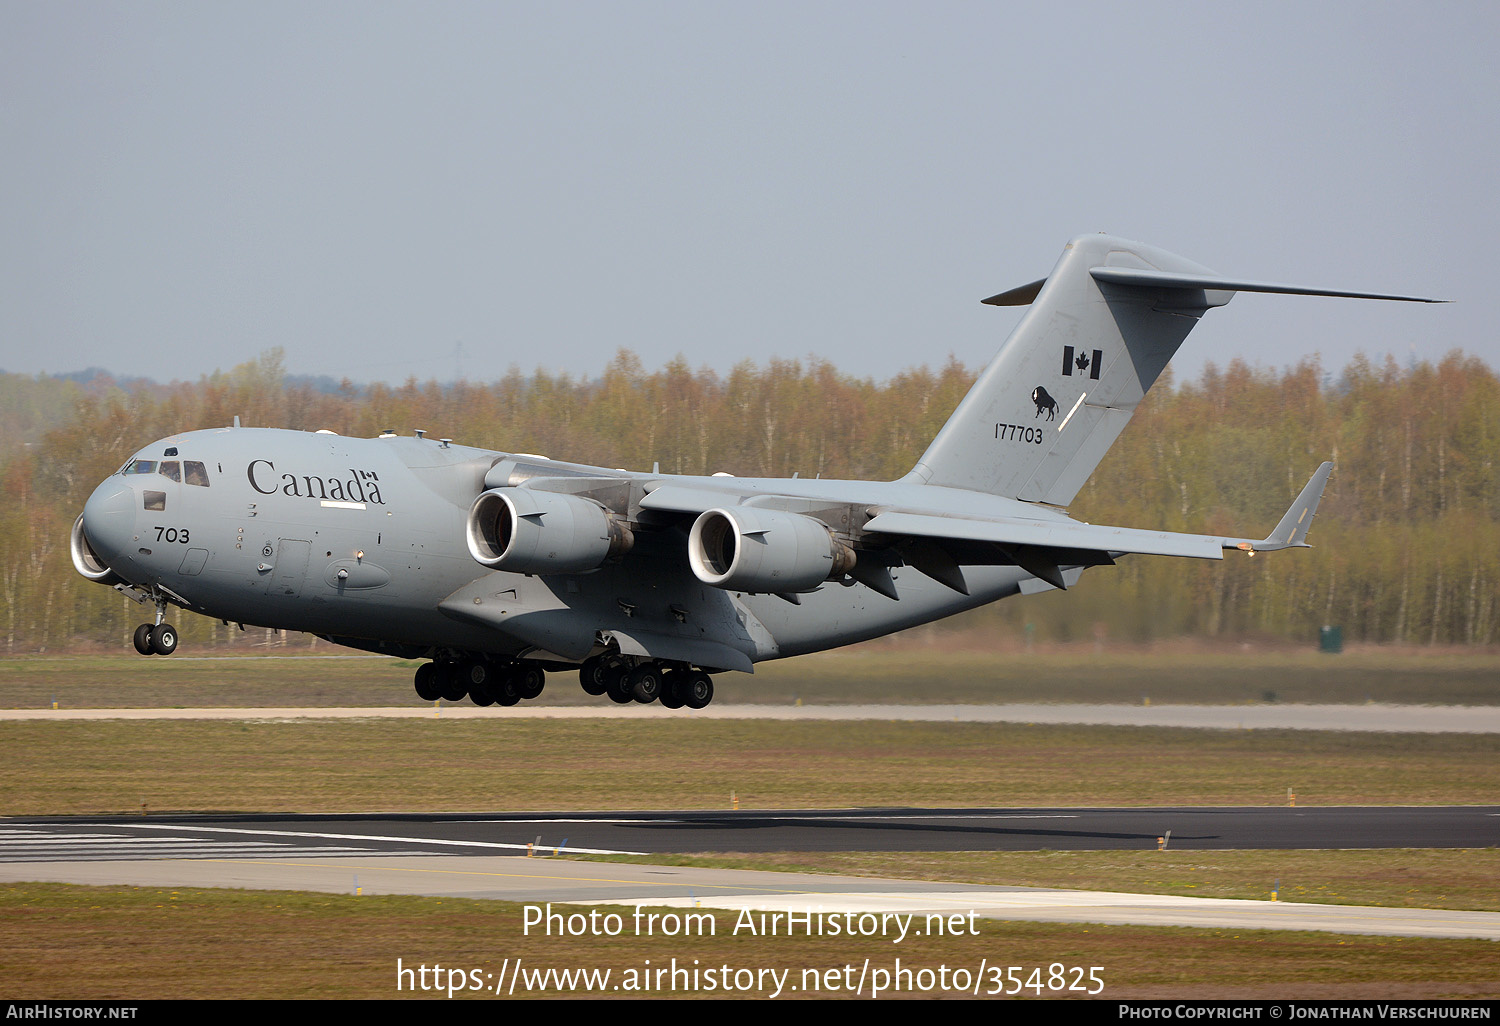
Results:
[291, 566]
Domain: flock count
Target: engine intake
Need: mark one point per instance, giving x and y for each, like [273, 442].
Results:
[761, 550]
[532, 532]
[86, 561]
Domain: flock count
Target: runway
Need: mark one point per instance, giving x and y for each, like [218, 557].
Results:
[977, 829]
[1419, 719]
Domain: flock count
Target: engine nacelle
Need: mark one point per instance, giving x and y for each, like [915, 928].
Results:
[763, 550]
[532, 532]
[86, 561]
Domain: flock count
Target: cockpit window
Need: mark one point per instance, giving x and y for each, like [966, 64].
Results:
[155, 501]
[141, 467]
[171, 469]
[195, 473]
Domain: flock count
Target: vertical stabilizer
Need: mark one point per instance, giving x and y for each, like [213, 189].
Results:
[1066, 381]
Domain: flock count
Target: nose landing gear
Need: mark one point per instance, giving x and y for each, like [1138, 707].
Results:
[159, 638]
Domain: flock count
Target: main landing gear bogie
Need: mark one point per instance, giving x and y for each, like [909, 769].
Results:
[624, 680]
[645, 681]
[481, 681]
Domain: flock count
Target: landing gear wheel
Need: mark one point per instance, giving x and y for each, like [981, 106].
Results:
[480, 694]
[426, 680]
[475, 673]
[450, 683]
[617, 685]
[505, 686]
[142, 639]
[593, 676]
[645, 683]
[673, 689]
[530, 680]
[699, 690]
[164, 639]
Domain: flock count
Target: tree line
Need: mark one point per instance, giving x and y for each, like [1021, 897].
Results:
[1406, 546]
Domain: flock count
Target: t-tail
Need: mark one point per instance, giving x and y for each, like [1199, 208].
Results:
[1100, 330]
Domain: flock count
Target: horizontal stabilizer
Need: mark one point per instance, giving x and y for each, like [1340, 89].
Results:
[1175, 280]
[1022, 295]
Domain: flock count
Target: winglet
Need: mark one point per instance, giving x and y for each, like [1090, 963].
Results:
[1291, 532]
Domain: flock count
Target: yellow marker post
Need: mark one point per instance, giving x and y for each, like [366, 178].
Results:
[1291, 798]
[734, 800]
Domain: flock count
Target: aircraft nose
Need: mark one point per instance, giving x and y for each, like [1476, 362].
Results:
[107, 528]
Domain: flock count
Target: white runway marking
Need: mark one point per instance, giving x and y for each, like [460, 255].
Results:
[378, 837]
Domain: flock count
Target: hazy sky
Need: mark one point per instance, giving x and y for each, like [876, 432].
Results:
[394, 189]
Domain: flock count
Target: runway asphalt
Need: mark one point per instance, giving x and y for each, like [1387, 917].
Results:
[976, 829]
[1421, 719]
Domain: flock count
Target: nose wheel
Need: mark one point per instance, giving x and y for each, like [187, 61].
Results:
[160, 639]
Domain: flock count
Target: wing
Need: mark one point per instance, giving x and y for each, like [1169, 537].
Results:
[1045, 547]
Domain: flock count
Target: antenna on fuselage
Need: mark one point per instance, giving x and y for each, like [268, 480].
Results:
[236, 420]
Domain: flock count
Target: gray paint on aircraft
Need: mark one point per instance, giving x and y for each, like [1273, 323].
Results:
[377, 543]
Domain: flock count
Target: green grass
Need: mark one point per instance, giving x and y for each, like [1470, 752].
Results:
[102, 766]
[925, 667]
[135, 943]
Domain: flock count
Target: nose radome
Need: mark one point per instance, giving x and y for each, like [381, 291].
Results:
[107, 526]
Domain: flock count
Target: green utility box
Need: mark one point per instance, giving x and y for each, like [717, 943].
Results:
[1331, 639]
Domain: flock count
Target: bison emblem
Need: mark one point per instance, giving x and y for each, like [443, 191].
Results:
[1044, 402]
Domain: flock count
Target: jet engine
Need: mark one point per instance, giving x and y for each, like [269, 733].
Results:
[534, 532]
[762, 550]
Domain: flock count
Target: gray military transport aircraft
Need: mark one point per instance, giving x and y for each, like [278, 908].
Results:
[498, 567]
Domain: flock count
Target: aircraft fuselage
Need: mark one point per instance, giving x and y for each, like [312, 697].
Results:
[362, 541]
